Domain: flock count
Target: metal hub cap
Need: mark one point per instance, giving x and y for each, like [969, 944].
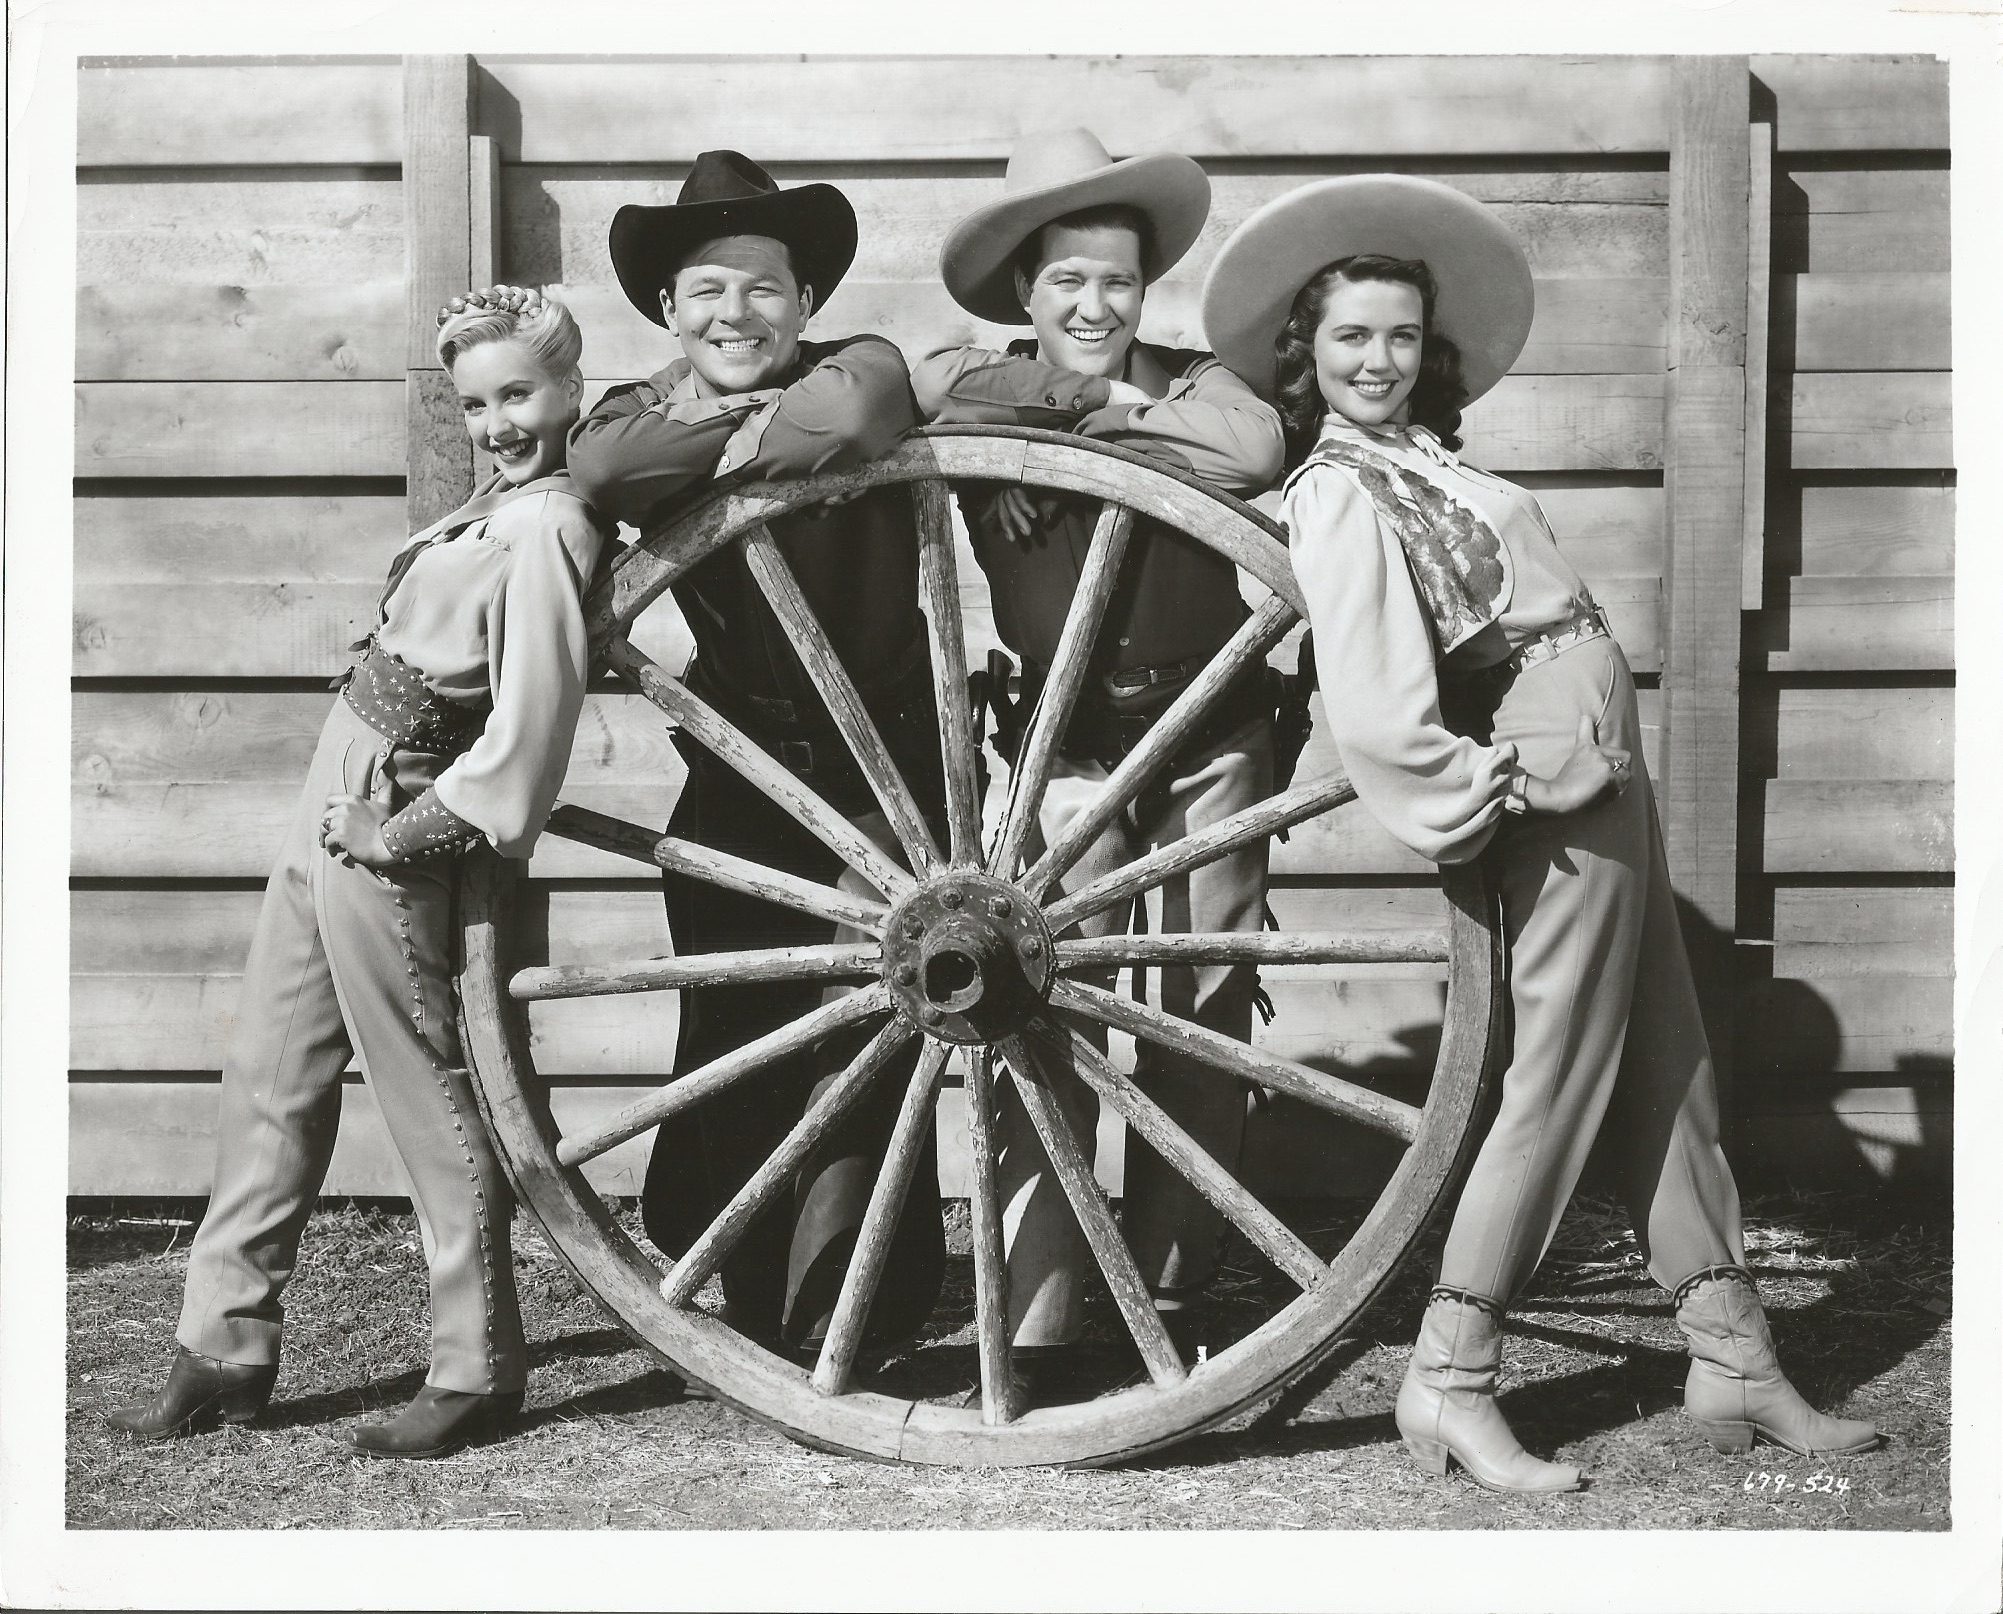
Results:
[967, 958]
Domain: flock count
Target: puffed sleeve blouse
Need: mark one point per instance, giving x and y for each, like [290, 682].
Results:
[496, 611]
[1438, 792]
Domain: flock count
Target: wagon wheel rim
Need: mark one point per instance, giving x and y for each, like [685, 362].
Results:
[966, 948]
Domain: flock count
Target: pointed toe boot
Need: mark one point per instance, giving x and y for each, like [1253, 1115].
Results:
[436, 1424]
[199, 1394]
[1446, 1406]
[1736, 1390]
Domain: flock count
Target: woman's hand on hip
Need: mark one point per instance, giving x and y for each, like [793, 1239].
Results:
[1591, 774]
[352, 830]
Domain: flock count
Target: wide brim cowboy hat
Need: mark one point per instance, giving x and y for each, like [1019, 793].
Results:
[1067, 171]
[1486, 296]
[727, 193]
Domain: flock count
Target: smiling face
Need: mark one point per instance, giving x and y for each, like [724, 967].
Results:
[739, 311]
[1367, 349]
[515, 409]
[1085, 301]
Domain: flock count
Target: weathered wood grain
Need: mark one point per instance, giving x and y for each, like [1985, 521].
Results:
[1860, 220]
[1759, 345]
[438, 198]
[975, 108]
[1568, 423]
[1888, 320]
[1877, 420]
[165, 115]
[1902, 529]
[1859, 826]
[1820, 931]
[1857, 623]
[246, 226]
[197, 538]
[159, 331]
[239, 428]
[1867, 733]
[1848, 1023]
[1856, 102]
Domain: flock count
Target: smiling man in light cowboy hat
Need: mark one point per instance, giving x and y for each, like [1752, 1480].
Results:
[1070, 248]
[733, 269]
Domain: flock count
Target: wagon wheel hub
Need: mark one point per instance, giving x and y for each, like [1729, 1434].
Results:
[967, 958]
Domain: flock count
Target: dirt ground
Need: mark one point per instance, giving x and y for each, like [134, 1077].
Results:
[1856, 1286]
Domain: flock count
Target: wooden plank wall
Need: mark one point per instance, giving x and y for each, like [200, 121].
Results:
[245, 356]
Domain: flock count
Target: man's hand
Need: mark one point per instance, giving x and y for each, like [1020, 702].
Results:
[352, 830]
[1014, 511]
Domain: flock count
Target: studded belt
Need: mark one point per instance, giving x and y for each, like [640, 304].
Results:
[1590, 623]
[390, 696]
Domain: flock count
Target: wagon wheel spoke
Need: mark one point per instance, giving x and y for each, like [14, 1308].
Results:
[758, 768]
[837, 962]
[1185, 1155]
[733, 1067]
[1222, 838]
[939, 575]
[1239, 1059]
[991, 1327]
[705, 863]
[1257, 635]
[1088, 1203]
[1069, 665]
[831, 679]
[908, 1140]
[717, 1240]
[1079, 953]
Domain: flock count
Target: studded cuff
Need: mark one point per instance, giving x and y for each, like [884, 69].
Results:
[427, 828]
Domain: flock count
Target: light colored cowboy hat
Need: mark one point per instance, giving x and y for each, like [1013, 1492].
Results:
[726, 193]
[1486, 295]
[1059, 172]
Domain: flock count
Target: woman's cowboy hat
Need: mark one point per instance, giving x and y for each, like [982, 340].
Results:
[1050, 175]
[729, 194]
[1486, 296]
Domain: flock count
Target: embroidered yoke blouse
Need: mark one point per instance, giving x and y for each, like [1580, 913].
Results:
[497, 610]
[1439, 792]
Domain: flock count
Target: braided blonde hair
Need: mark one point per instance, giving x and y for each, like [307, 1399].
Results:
[525, 314]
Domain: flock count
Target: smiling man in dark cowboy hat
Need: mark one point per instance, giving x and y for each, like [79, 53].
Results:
[734, 269]
[1070, 248]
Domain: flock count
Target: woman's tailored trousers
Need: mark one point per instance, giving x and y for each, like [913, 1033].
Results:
[1606, 1020]
[1172, 1230]
[352, 960]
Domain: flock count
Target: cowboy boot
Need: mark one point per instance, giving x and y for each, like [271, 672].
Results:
[200, 1393]
[1736, 1389]
[1446, 1406]
[436, 1424]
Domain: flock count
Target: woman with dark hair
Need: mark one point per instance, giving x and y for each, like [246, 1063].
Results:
[1479, 702]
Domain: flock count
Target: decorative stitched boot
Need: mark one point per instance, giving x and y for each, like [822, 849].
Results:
[436, 1424]
[1736, 1388]
[200, 1393]
[1446, 1406]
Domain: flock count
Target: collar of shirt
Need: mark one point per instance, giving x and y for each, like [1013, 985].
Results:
[1419, 439]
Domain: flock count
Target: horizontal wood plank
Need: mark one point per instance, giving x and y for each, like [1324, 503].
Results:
[238, 226]
[1860, 220]
[235, 538]
[1816, 826]
[1862, 930]
[239, 428]
[158, 331]
[1825, 733]
[1858, 623]
[1847, 1023]
[1873, 420]
[167, 114]
[974, 108]
[1567, 423]
[1902, 529]
[1882, 321]
[1856, 103]
[1588, 223]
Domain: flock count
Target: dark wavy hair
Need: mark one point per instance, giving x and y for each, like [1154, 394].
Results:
[1437, 395]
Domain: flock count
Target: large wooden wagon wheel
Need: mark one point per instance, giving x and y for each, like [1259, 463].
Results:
[970, 956]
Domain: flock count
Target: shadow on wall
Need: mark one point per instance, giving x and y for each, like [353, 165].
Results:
[1795, 1118]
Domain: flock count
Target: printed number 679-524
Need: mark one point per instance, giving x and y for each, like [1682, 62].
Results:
[1807, 1485]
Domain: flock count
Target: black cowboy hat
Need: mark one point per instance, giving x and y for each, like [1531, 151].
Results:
[729, 194]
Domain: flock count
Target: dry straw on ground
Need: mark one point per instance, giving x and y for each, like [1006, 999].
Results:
[1857, 1288]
